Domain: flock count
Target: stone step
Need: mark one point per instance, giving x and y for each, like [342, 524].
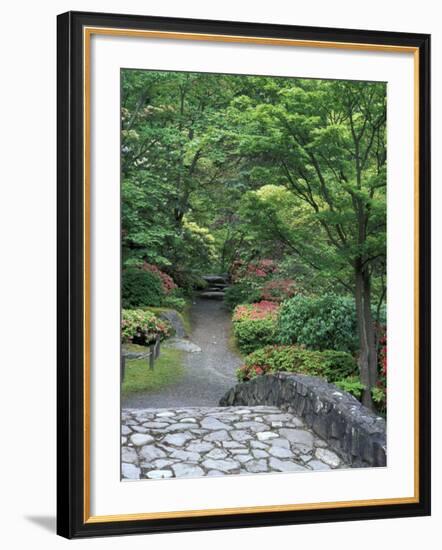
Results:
[219, 295]
[214, 279]
[215, 288]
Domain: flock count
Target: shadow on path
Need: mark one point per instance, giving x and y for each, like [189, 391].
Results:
[209, 373]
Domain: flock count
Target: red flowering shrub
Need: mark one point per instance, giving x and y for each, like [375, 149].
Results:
[166, 280]
[383, 354]
[254, 325]
[252, 312]
[379, 393]
[259, 269]
[140, 327]
[236, 270]
[278, 290]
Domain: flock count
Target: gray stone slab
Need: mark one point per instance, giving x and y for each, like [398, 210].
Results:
[179, 427]
[280, 452]
[211, 423]
[159, 474]
[221, 435]
[177, 439]
[223, 465]
[129, 455]
[256, 466]
[252, 425]
[141, 439]
[130, 471]
[186, 456]
[317, 465]
[302, 437]
[200, 446]
[329, 457]
[187, 470]
[265, 436]
[150, 452]
[217, 454]
[285, 465]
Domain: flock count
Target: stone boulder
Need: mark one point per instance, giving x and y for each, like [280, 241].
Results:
[174, 319]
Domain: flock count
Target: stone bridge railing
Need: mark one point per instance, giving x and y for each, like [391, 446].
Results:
[352, 430]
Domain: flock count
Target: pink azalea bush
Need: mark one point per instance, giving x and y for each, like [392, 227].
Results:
[141, 327]
[259, 269]
[379, 392]
[278, 290]
[253, 312]
[254, 325]
[167, 282]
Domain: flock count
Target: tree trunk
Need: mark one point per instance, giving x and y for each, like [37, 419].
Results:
[371, 331]
[366, 333]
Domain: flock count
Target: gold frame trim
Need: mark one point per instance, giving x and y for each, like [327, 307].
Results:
[87, 34]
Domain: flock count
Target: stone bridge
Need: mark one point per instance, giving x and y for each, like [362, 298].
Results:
[194, 442]
[274, 423]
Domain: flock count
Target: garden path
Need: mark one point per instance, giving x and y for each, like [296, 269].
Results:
[208, 374]
[182, 432]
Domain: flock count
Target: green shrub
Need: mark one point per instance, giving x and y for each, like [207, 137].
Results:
[319, 323]
[174, 302]
[241, 293]
[379, 396]
[141, 288]
[329, 364]
[254, 325]
[252, 335]
[141, 327]
[199, 283]
[352, 385]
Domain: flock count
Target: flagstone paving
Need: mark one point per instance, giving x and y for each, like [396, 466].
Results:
[218, 441]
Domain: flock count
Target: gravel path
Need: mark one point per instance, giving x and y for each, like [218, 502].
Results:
[216, 441]
[209, 373]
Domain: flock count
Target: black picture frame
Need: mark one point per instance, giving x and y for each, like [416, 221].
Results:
[71, 390]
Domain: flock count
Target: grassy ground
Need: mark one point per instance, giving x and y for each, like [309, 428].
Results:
[185, 316]
[139, 378]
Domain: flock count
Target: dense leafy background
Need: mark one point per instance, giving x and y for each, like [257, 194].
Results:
[221, 171]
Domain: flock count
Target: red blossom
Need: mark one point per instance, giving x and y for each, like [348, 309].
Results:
[252, 312]
[260, 269]
[166, 280]
[278, 290]
[383, 351]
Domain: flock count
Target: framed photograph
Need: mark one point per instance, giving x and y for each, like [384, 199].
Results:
[243, 232]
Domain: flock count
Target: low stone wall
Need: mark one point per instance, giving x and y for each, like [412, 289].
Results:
[352, 430]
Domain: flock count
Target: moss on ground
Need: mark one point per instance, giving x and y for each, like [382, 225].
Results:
[185, 317]
[232, 344]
